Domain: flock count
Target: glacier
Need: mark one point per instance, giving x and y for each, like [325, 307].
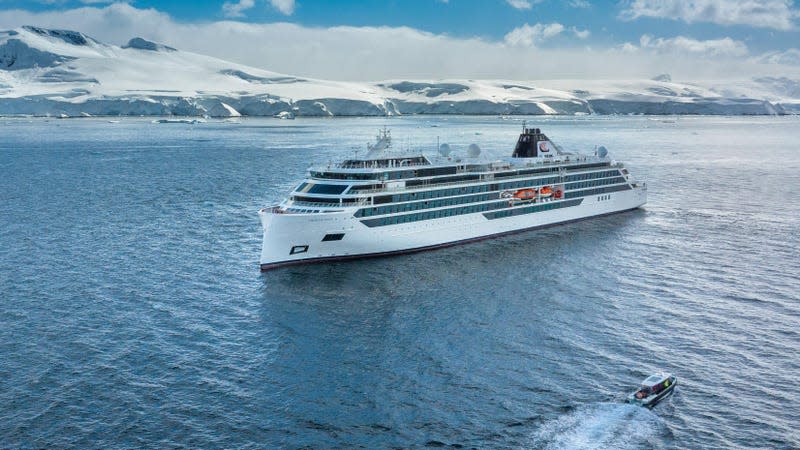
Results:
[66, 73]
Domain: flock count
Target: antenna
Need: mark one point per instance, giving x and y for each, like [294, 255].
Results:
[524, 125]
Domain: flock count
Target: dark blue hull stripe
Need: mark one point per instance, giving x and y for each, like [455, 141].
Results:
[547, 206]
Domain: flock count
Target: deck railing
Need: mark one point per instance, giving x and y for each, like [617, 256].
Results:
[361, 202]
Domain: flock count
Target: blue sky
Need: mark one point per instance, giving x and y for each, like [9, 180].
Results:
[647, 31]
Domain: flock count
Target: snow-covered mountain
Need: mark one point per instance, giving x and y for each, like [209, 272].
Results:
[60, 72]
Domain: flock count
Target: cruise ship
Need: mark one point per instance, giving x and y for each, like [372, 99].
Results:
[389, 202]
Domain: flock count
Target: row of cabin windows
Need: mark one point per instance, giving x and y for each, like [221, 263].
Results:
[399, 208]
[442, 180]
[363, 187]
[556, 180]
[588, 166]
[438, 214]
[593, 183]
[468, 177]
[434, 171]
[597, 191]
[469, 209]
[532, 209]
[403, 207]
[388, 175]
[411, 196]
[551, 180]
[347, 176]
[300, 210]
[441, 213]
[591, 175]
[387, 162]
[395, 208]
[337, 189]
[422, 195]
[528, 183]
[326, 201]
[517, 173]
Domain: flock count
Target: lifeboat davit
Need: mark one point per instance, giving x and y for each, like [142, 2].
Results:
[546, 191]
[525, 194]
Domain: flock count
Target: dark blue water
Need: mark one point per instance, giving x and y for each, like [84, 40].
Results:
[133, 314]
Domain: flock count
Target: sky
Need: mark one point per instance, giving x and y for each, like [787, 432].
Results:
[451, 39]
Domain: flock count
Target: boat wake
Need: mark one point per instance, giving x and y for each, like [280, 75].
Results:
[602, 426]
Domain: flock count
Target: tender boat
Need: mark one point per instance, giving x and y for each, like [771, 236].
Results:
[654, 389]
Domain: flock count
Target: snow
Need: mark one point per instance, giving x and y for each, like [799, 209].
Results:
[143, 44]
[230, 111]
[546, 108]
[55, 72]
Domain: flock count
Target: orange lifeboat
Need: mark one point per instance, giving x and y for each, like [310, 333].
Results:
[525, 194]
[546, 191]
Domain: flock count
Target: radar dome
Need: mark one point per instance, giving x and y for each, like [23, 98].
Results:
[473, 150]
[445, 150]
[602, 152]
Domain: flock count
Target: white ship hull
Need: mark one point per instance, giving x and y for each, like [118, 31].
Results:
[298, 238]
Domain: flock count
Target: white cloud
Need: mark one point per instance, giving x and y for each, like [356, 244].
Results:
[580, 34]
[519, 4]
[527, 4]
[380, 53]
[284, 6]
[711, 51]
[787, 57]
[777, 14]
[529, 36]
[582, 4]
[236, 9]
[684, 45]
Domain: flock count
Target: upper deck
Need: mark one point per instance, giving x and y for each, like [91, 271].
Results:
[359, 181]
[381, 162]
[419, 168]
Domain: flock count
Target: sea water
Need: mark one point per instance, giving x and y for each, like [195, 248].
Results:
[133, 313]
